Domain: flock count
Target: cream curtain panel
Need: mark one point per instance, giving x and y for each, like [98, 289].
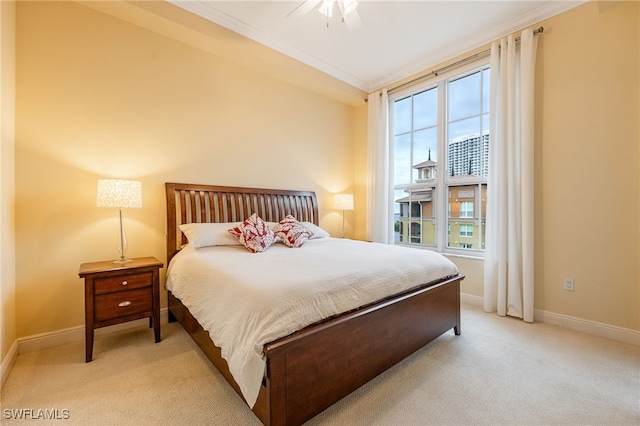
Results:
[508, 265]
[379, 194]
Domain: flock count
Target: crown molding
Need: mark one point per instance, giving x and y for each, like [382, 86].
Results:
[492, 34]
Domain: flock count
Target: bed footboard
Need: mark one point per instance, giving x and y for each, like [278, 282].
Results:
[312, 369]
[320, 366]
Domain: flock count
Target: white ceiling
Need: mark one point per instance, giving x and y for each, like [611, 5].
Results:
[396, 40]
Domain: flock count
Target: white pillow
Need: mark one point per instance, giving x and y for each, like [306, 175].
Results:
[210, 234]
[315, 230]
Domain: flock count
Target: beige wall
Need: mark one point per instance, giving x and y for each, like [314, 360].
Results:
[100, 97]
[587, 145]
[7, 179]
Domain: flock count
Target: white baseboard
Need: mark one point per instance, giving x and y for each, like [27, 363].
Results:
[60, 337]
[611, 332]
[7, 363]
[470, 299]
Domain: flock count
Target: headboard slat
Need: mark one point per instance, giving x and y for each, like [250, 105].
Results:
[203, 207]
[189, 203]
[183, 202]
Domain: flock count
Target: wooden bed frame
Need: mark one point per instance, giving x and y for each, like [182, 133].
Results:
[313, 368]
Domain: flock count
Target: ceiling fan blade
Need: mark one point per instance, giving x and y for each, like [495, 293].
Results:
[352, 20]
[303, 8]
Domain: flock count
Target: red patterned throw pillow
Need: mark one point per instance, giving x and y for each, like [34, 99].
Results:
[254, 234]
[292, 232]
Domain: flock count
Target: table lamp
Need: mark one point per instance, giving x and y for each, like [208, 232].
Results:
[343, 202]
[121, 194]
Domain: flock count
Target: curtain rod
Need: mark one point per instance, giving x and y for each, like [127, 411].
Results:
[453, 65]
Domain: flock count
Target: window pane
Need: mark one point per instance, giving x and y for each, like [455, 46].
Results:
[465, 127]
[425, 145]
[402, 115]
[414, 220]
[464, 228]
[402, 159]
[470, 126]
[425, 107]
[465, 96]
[465, 150]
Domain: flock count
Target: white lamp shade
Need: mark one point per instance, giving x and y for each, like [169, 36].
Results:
[119, 193]
[343, 201]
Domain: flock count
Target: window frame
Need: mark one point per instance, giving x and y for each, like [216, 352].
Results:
[442, 188]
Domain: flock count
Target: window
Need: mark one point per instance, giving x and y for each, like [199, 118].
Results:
[466, 209]
[466, 230]
[440, 135]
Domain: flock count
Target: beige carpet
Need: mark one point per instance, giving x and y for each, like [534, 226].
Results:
[500, 371]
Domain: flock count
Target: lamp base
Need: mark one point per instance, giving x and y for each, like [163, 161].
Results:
[123, 246]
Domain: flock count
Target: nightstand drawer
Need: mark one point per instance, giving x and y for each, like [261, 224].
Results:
[122, 282]
[124, 303]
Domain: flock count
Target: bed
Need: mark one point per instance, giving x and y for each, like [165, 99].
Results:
[306, 370]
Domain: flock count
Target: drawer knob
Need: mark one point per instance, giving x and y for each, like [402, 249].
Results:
[124, 282]
[125, 303]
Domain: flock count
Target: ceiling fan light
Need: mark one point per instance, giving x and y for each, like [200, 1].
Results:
[348, 6]
[326, 8]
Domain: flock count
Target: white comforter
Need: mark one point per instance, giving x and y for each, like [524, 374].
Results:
[245, 300]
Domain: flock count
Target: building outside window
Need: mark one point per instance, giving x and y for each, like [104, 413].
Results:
[440, 135]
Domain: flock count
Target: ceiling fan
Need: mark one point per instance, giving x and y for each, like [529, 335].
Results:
[347, 10]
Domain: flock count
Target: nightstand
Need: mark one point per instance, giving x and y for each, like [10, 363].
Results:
[115, 293]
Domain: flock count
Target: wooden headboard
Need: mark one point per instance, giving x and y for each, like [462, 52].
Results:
[193, 203]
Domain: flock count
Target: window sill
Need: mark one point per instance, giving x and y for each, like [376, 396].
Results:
[475, 256]
[464, 256]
